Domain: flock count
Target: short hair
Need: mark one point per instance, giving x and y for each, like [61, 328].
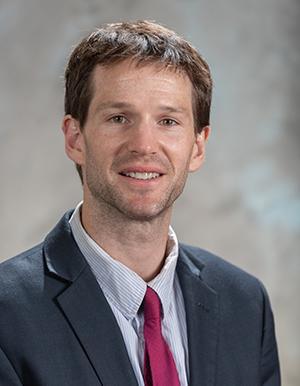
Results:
[144, 42]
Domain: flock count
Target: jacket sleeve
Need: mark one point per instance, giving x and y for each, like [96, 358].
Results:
[8, 375]
[270, 369]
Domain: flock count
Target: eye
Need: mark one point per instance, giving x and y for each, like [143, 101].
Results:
[168, 122]
[118, 119]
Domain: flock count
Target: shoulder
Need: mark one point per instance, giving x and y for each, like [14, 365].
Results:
[221, 275]
[209, 263]
[42, 271]
[21, 264]
[21, 272]
[29, 267]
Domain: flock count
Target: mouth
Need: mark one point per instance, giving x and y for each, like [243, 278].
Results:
[141, 175]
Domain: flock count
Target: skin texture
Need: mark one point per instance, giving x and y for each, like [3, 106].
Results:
[140, 119]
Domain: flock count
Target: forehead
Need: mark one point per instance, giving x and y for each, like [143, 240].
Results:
[129, 77]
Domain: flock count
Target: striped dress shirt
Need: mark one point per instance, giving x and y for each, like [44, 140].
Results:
[125, 290]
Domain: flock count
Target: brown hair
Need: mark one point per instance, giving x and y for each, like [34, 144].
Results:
[144, 42]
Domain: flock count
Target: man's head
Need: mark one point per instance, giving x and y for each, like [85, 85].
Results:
[144, 43]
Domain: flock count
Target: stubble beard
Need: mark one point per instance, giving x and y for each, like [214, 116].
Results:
[112, 203]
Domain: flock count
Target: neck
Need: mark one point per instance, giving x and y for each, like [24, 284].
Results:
[140, 245]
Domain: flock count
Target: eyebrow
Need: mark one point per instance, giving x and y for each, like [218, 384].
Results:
[116, 105]
[173, 109]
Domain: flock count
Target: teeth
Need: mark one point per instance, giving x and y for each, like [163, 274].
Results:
[142, 176]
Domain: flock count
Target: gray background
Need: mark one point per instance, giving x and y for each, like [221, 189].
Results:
[244, 204]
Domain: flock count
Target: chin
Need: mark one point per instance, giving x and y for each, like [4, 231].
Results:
[143, 214]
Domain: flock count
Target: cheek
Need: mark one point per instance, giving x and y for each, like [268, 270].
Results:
[175, 142]
[94, 155]
[181, 149]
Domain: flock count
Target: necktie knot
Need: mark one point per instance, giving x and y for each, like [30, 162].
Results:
[152, 306]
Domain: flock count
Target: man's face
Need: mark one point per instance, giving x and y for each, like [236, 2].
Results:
[138, 143]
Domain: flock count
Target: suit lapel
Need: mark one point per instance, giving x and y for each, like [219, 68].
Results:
[86, 309]
[201, 305]
[95, 326]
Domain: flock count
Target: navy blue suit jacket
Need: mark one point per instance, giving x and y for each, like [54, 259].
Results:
[57, 329]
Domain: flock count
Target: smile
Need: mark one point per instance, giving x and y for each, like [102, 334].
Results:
[142, 175]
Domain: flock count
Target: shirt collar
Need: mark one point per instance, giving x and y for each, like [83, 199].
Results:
[122, 286]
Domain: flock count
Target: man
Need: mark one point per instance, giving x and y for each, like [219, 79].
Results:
[110, 298]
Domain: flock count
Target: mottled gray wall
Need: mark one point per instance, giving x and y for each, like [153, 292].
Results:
[244, 204]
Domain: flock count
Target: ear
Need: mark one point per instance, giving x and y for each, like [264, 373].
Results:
[74, 143]
[198, 153]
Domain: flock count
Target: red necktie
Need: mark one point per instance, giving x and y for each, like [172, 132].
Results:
[159, 365]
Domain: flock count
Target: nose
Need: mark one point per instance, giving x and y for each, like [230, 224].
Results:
[142, 139]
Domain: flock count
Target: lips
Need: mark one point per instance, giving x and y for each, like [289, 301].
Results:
[142, 175]
[142, 172]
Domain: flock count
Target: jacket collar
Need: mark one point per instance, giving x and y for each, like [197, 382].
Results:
[202, 316]
[62, 256]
